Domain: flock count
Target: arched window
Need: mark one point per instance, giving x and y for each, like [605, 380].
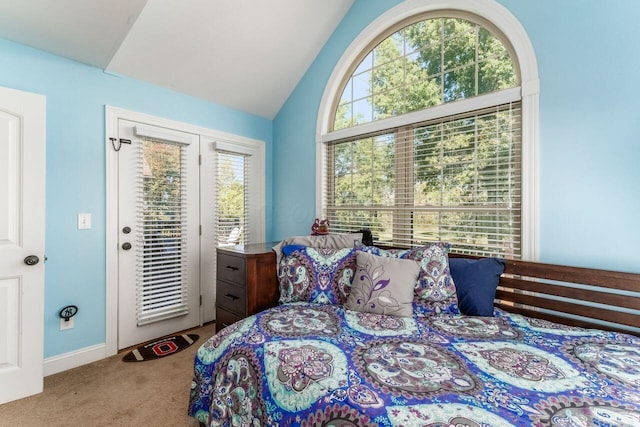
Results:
[423, 138]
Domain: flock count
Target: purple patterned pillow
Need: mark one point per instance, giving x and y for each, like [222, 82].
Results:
[435, 291]
[316, 275]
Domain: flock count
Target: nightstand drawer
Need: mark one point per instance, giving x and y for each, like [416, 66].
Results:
[232, 297]
[246, 281]
[225, 318]
[231, 268]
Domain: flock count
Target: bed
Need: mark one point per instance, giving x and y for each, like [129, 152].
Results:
[477, 342]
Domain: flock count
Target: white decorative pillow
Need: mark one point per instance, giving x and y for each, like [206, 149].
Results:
[435, 292]
[383, 285]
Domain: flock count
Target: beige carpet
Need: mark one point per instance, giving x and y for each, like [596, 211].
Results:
[111, 392]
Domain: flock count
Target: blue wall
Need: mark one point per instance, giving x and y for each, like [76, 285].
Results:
[588, 60]
[76, 98]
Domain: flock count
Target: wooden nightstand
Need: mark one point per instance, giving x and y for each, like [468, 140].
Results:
[247, 281]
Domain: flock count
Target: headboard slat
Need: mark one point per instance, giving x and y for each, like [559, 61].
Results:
[585, 276]
[601, 296]
[570, 307]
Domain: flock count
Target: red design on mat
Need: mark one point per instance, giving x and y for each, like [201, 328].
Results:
[164, 348]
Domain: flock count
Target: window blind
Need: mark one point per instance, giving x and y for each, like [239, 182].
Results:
[454, 179]
[232, 198]
[161, 267]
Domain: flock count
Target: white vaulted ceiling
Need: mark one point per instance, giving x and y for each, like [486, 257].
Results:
[244, 54]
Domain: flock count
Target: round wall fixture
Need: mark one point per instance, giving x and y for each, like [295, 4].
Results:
[68, 312]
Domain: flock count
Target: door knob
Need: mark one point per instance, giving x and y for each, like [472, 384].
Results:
[31, 260]
[126, 246]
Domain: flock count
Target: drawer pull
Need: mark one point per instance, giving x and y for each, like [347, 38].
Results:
[231, 297]
[232, 268]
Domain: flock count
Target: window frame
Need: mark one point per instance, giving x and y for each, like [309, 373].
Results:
[503, 24]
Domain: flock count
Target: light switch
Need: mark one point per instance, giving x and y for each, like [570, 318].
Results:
[84, 221]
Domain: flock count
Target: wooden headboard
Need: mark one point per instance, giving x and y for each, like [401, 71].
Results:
[574, 296]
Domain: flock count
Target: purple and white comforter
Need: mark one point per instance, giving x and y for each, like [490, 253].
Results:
[319, 365]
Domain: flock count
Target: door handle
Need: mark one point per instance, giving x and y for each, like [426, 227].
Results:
[31, 260]
[126, 246]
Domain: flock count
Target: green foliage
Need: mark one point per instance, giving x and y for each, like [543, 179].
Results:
[425, 64]
[457, 163]
[230, 190]
[231, 193]
[162, 183]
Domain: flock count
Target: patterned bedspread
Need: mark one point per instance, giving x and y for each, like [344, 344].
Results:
[313, 365]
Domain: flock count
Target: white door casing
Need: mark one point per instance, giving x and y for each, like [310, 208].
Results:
[22, 224]
[167, 238]
[208, 140]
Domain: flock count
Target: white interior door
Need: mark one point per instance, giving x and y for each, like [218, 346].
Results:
[22, 190]
[158, 229]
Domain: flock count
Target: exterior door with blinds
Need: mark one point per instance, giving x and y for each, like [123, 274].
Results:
[232, 204]
[158, 229]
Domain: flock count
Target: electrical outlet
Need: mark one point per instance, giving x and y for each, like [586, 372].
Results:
[66, 324]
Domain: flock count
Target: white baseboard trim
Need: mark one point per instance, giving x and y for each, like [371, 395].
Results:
[73, 359]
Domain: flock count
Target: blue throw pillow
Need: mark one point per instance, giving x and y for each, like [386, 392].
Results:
[476, 282]
[289, 249]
